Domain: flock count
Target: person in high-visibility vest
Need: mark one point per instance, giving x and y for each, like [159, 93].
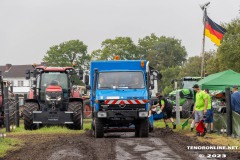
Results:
[209, 114]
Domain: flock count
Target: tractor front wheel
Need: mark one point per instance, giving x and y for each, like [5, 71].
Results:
[76, 108]
[28, 109]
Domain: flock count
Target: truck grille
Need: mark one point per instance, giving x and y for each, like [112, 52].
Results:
[123, 107]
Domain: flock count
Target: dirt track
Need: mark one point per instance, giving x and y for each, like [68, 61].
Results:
[162, 144]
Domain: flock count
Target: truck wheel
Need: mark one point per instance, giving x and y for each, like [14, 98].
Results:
[28, 109]
[87, 110]
[76, 108]
[137, 129]
[143, 128]
[99, 128]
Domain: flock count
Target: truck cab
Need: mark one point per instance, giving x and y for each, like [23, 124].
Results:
[119, 96]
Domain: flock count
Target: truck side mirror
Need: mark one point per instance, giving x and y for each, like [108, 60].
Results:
[86, 77]
[27, 74]
[81, 74]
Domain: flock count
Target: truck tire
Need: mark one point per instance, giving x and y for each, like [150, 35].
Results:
[99, 128]
[144, 128]
[28, 109]
[76, 108]
[137, 125]
[87, 109]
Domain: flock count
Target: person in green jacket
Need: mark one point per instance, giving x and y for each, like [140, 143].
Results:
[201, 104]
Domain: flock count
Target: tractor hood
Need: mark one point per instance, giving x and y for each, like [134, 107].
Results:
[127, 94]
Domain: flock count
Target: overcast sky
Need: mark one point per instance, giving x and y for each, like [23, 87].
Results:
[29, 27]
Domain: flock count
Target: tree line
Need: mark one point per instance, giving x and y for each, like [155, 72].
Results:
[166, 54]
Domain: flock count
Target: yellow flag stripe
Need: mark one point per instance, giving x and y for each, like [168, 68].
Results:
[212, 37]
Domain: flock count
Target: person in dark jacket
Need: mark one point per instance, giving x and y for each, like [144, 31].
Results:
[235, 99]
[165, 107]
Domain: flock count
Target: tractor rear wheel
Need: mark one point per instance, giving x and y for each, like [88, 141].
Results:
[98, 128]
[28, 109]
[76, 108]
[144, 128]
[12, 112]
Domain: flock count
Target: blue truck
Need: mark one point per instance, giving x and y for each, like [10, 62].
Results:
[119, 96]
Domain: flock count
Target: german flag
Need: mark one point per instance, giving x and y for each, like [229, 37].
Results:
[214, 31]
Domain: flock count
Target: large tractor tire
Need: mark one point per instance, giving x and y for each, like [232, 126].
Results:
[87, 109]
[143, 128]
[28, 109]
[187, 108]
[12, 112]
[99, 128]
[76, 108]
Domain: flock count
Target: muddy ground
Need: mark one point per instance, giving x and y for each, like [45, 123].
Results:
[161, 144]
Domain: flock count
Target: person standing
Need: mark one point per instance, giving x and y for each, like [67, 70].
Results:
[235, 99]
[165, 107]
[201, 104]
[209, 114]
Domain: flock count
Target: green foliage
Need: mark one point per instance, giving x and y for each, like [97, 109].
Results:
[162, 52]
[124, 47]
[67, 54]
[229, 51]
[168, 74]
[195, 62]
[192, 62]
[166, 54]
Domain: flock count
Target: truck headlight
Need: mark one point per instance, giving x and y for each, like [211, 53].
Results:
[102, 114]
[143, 114]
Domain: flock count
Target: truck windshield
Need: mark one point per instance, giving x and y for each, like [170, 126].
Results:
[114, 80]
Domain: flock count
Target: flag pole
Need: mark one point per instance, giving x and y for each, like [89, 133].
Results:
[204, 8]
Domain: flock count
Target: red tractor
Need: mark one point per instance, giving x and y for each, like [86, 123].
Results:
[51, 100]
